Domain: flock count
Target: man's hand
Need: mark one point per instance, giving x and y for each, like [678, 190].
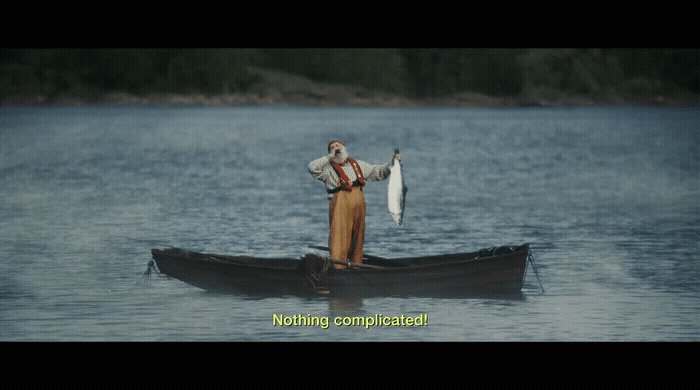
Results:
[398, 156]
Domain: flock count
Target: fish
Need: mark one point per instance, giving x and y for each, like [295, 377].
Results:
[396, 191]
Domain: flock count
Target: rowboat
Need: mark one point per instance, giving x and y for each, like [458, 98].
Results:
[492, 271]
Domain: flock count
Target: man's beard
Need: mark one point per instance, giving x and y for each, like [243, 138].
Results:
[341, 156]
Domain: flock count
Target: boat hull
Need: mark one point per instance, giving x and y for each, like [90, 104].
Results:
[438, 276]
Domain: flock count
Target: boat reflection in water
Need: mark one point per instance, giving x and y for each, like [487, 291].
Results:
[345, 306]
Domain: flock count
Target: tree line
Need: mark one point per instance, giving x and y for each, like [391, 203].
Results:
[414, 72]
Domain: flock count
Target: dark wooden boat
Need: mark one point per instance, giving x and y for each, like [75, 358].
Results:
[493, 271]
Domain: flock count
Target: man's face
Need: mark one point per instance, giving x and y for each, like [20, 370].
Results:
[339, 152]
[336, 147]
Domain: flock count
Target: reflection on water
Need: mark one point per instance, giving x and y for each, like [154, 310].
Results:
[607, 197]
[345, 307]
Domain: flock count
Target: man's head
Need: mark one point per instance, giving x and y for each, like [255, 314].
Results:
[334, 143]
[337, 149]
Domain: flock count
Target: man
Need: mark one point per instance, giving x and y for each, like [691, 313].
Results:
[344, 178]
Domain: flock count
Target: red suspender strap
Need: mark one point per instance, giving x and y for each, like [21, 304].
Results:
[344, 180]
[358, 172]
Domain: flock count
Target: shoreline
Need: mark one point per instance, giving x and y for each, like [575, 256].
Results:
[276, 88]
[320, 99]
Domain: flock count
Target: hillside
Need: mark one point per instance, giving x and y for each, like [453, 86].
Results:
[350, 77]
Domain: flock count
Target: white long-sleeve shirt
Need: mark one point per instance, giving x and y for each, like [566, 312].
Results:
[321, 169]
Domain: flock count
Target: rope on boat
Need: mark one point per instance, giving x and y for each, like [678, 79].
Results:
[531, 259]
[150, 267]
[316, 268]
[504, 250]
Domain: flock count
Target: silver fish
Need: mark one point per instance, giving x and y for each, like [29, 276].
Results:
[396, 193]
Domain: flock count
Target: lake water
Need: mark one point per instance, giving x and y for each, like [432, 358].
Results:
[608, 197]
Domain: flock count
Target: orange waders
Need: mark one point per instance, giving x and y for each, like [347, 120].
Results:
[347, 219]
